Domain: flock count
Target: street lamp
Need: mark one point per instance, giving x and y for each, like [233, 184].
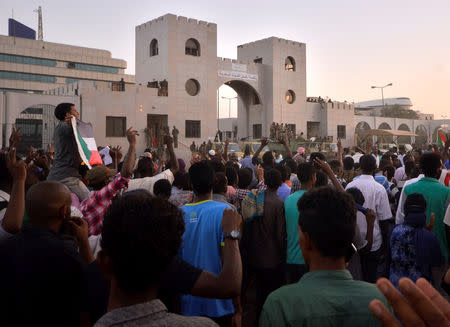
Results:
[229, 104]
[381, 88]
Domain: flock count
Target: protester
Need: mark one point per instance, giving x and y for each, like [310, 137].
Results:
[284, 190]
[295, 263]
[376, 199]
[67, 159]
[415, 250]
[147, 178]
[180, 193]
[162, 189]
[437, 197]
[42, 265]
[150, 228]
[202, 242]
[12, 193]
[263, 248]
[326, 226]
[94, 206]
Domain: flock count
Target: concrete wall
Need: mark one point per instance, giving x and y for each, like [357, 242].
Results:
[276, 81]
[14, 103]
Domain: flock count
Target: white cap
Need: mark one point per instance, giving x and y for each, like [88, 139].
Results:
[212, 153]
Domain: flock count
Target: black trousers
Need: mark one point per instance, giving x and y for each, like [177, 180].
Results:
[369, 265]
[256, 286]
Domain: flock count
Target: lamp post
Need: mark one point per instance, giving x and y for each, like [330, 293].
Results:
[381, 88]
[229, 104]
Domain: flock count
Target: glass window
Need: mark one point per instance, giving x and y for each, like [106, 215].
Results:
[290, 96]
[257, 61]
[27, 60]
[193, 128]
[192, 87]
[28, 77]
[289, 64]
[154, 48]
[257, 131]
[192, 48]
[115, 126]
[95, 68]
[341, 132]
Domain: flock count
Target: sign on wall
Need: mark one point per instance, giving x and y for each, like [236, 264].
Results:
[237, 75]
[239, 67]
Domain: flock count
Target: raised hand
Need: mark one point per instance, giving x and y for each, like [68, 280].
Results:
[324, 166]
[15, 137]
[420, 304]
[131, 136]
[264, 141]
[16, 168]
[116, 153]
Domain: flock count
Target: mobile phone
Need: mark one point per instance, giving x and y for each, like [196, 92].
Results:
[361, 209]
[350, 253]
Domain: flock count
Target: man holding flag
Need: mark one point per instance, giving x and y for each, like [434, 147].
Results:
[67, 158]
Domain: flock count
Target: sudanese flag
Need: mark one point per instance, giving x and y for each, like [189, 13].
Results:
[87, 148]
[441, 139]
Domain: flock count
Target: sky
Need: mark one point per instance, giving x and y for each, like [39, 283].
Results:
[351, 44]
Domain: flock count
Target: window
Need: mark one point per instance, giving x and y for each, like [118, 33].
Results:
[95, 68]
[28, 77]
[192, 48]
[341, 131]
[154, 48]
[257, 131]
[115, 126]
[290, 96]
[118, 86]
[289, 64]
[27, 60]
[257, 61]
[228, 134]
[192, 87]
[292, 128]
[193, 128]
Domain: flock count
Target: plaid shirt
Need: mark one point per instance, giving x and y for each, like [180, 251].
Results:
[95, 205]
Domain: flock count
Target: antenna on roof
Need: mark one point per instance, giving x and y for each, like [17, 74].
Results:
[40, 28]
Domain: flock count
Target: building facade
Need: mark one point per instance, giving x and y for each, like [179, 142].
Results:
[178, 75]
[34, 66]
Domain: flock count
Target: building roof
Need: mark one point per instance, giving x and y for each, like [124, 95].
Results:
[402, 101]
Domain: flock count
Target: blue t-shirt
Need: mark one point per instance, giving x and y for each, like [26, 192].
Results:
[447, 164]
[201, 248]
[294, 253]
[283, 192]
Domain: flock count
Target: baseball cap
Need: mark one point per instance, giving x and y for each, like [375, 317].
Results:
[99, 174]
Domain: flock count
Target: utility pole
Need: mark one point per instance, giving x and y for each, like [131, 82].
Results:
[40, 28]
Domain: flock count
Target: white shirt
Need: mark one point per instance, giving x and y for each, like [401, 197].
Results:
[400, 175]
[400, 215]
[376, 198]
[447, 216]
[3, 234]
[147, 183]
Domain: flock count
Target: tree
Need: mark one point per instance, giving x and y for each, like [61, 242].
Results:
[397, 111]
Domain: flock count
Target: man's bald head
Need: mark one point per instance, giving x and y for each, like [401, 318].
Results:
[47, 202]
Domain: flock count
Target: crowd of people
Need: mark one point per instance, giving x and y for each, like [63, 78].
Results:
[153, 241]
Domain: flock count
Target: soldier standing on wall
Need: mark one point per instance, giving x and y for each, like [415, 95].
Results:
[193, 147]
[175, 133]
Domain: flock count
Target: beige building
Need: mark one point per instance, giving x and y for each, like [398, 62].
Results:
[178, 75]
[35, 66]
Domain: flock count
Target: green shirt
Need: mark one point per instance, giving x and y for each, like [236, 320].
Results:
[294, 253]
[437, 197]
[322, 299]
